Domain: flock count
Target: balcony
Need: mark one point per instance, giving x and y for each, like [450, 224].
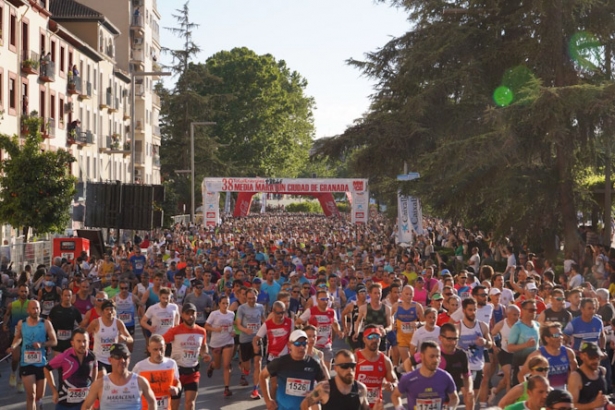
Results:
[74, 84]
[84, 138]
[48, 128]
[156, 161]
[29, 62]
[112, 102]
[137, 56]
[155, 36]
[156, 130]
[48, 71]
[27, 125]
[17, 3]
[139, 90]
[156, 100]
[139, 159]
[105, 100]
[137, 25]
[110, 50]
[86, 92]
[139, 127]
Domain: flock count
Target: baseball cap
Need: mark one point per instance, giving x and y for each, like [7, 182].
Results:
[257, 280]
[558, 396]
[388, 268]
[420, 279]
[119, 350]
[228, 268]
[591, 349]
[296, 335]
[494, 291]
[188, 307]
[293, 273]
[531, 286]
[437, 296]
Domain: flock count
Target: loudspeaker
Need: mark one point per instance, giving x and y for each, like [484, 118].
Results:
[158, 193]
[102, 205]
[137, 207]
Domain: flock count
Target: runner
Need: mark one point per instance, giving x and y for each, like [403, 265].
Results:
[428, 387]
[179, 289]
[16, 312]
[162, 315]
[429, 331]
[48, 295]
[249, 319]
[296, 373]
[204, 304]
[325, 320]
[537, 390]
[374, 313]
[83, 299]
[78, 369]
[374, 368]
[220, 323]
[588, 384]
[316, 354]
[350, 316]
[149, 298]
[37, 335]
[107, 330]
[132, 386]
[407, 315]
[455, 362]
[64, 318]
[161, 373]
[562, 360]
[189, 346]
[277, 330]
[125, 304]
[505, 358]
[341, 392]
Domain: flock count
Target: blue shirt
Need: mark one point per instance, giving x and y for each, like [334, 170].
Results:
[521, 333]
[272, 290]
[138, 264]
[582, 331]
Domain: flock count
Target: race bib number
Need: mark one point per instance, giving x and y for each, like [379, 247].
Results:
[324, 331]
[76, 395]
[139, 265]
[253, 327]
[105, 347]
[33, 356]
[190, 354]
[48, 305]
[125, 317]
[373, 394]
[162, 402]
[64, 334]
[297, 387]
[200, 316]
[166, 322]
[408, 327]
[428, 404]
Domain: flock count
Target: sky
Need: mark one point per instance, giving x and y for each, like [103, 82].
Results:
[314, 37]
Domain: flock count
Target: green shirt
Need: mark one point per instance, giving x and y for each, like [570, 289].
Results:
[111, 291]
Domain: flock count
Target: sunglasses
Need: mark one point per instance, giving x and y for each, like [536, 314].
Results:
[448, 294]
[531, 310]
[323, 299]
[481, 294]
[556, 335]
[278, 313]
[300, 344]
[541, 369]
[373, 336]
[123, 288]
[559, 299]
[450, 338]
[295, 291]
[347, 366]
[100, 300]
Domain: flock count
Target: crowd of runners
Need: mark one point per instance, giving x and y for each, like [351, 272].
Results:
[431, 323]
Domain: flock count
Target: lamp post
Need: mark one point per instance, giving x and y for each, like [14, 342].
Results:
[133, 75]
[192, 177]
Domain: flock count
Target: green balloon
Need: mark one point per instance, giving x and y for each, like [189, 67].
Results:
[503, 96]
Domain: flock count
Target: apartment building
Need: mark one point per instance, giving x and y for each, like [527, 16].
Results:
[71, 65]
[137, 50]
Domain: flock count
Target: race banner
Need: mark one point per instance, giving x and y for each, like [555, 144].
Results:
[211, 208]
[360, 207]
[403, 219]
[284, 185]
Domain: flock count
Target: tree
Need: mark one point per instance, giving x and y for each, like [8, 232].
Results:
[37, 187]
[264, 119]
[497, 104]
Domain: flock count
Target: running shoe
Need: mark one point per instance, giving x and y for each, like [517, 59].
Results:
[210, 372]
[255, 395]
[20, 388]
[13, 380]
[243, 381]
[227, 392]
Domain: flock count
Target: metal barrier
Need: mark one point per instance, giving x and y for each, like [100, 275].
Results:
[36, 253]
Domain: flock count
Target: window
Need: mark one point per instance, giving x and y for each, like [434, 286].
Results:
[12, 93]
[52, 107]
[62, 55]
[1, 22]
[94, 79]
[1, 88]
[13, 32]
[61, 106]
[53, 51]
[70, 60]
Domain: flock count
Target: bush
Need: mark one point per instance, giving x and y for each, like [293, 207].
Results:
[344, 207]
[309, 207]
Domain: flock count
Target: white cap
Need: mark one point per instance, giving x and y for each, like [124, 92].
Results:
[531, 286]
[296, 335]
[228, 268]
[293, 273]
[494, 291]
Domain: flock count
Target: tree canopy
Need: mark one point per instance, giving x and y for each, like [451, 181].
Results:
[37, 187]
[498, 104]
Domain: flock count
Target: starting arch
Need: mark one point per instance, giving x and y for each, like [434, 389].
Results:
[321, 189]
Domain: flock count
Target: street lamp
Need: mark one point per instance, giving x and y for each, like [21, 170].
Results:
[192, 124]
[132, 113]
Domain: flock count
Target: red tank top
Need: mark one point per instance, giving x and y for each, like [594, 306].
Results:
[371, 374]
[322, 321]
[278, 335]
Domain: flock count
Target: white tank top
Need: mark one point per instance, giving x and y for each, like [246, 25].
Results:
[126, 397]
[505, 333]
[103, 340]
